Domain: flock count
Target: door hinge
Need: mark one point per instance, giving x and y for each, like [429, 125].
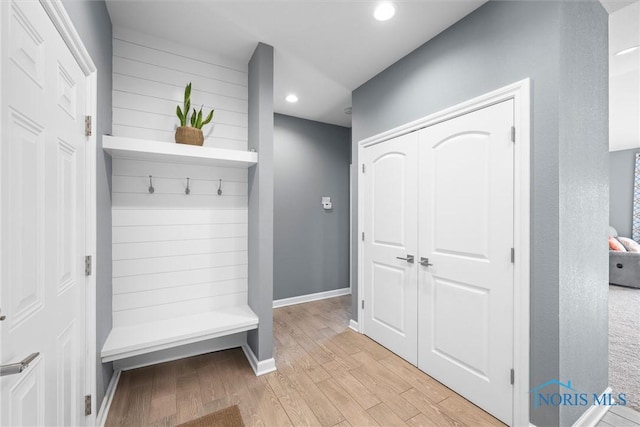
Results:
[87, 125]
[363, 304]
[87, 405]
[513, 134]
[363, 168]
[87, 265]
[513, 255]
[513, 375]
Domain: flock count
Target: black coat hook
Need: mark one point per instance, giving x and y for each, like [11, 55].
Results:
[220, 188]
[151, 189]
[187, 190]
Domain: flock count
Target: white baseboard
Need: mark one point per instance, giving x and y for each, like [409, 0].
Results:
[175, 353]
[594, 414]
[354, 325]
[103, 412]
[260, 367]
[311, 297]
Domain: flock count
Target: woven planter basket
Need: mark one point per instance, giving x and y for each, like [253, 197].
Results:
[189, 135]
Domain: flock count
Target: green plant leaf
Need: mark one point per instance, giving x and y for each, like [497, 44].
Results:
[208, 119]
[179, 114]
[196, 118]
[199, 119]
[183, 113]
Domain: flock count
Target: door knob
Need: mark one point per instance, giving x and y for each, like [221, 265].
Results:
[17, 368]
[425, 262]
[409, 259]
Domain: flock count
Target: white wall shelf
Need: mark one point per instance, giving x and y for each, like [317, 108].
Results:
[143, 338]
[141, 149]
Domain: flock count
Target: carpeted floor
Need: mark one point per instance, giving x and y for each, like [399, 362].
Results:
[624, 343]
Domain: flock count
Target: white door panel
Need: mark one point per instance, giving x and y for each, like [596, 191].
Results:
[390, 218]
[466, 232]
[42, 155]
[461, 187]
[453, 335]
[388, 285]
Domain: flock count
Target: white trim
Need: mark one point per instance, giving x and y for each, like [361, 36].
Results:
[350, 228]
[520, 92]
[522, 243]
[103, 413]
[67, 30]
[478, 103]
[353, 325]
[360, 254]
[91, 239]
[61, 20]
[311, 297]
[592, 416]
[260, 367]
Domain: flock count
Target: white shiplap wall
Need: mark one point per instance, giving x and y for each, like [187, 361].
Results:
[176, 254]
[149, 77]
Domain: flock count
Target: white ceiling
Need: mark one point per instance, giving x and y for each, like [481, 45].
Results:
[624, 32]
[613, 5]
[624, 77]
[324, 49]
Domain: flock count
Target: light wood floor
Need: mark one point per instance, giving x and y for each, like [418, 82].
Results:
[620, 416]
[327, 375]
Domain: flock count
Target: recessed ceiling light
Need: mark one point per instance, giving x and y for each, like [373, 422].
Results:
[292, 98]
[628, 50]
[384, 11]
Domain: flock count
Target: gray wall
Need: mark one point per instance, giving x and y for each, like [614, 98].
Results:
[311, 244]
[261, 200]
[584, 197]
[621, 170]
[498, 44]
[92, 21]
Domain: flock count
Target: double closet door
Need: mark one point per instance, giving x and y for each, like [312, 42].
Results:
[438, 272]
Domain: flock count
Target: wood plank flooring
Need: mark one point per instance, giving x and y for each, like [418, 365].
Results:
[327, 375]
[620, 416]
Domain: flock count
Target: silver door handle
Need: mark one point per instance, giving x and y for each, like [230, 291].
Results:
[425, 262]
[16, 368]
[409, 259]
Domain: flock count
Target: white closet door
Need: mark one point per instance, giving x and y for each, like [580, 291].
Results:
[390, 234]
[42, 174]
[466, 232]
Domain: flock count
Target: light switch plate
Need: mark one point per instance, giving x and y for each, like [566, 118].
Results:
[326, 202]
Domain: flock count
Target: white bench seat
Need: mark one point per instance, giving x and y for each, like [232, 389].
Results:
[124, 342]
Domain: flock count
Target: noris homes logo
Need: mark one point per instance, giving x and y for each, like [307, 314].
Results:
[568, 396]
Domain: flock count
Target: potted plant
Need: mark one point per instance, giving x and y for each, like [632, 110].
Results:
[190, 130]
